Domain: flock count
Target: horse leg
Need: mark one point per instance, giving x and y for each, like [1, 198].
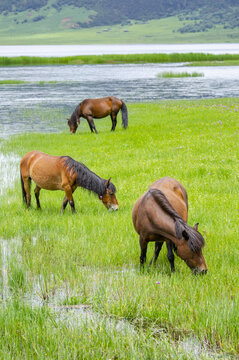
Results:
[69, 198]
[27, 187]
[171, 255]
[37, 194]
[64, 203]
[158, 246]
[114, 121]
[143, 245]
[91, 124]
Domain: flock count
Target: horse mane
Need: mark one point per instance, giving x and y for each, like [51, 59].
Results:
[182, 229]
[74, 115]
[87, 178]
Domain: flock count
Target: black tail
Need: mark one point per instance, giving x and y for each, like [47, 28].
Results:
[182, 229]
[124, 113]
[24, 195]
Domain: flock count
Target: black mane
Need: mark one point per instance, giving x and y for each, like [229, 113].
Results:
[87, 178]
[182, 229]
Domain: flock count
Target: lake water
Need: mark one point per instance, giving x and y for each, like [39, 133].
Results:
[132, 83]
[70, 50]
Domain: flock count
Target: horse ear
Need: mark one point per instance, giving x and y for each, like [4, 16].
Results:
[185, 235]
[196, 226]
[108, 182]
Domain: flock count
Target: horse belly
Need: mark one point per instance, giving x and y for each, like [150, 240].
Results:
[46, 179]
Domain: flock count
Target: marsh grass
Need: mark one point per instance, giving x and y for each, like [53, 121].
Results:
[13, 82]
[95, 254]
[171, 74]
[117, 58]
[20, 82]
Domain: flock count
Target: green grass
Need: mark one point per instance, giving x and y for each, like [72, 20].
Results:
[114, 59]
[22, 82]
[12, 82]
[171, 74]
[92, 257]
[215, 63]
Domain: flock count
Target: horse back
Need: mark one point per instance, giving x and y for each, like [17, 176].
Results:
[48, 172]
[150, 220]
[102, 107]
[175, 193]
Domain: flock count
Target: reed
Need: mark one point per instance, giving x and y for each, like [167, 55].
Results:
[13, 82]
[106, 59]
[171, 74]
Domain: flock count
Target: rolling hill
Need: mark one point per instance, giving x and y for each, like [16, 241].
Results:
[111, 21]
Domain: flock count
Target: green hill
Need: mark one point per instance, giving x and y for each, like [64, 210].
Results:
[105, 21]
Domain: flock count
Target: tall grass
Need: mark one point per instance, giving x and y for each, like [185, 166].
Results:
[171, 74]
[105, 59]
[12, 82]
[92, 257]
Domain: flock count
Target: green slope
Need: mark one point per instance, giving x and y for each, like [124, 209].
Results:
[58, 28]
[61, 22]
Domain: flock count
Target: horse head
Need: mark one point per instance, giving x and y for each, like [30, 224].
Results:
[73, 125]
[189, 249]
[108, 198]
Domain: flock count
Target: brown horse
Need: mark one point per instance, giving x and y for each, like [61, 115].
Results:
[98, 108]
[62, 173]
[161, 215]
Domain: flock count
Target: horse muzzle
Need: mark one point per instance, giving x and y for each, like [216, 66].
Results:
[113, 208]
[198, 271]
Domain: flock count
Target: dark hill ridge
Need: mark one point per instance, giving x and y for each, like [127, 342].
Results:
[203, 14]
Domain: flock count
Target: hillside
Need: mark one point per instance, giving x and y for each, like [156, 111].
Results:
[42, 21]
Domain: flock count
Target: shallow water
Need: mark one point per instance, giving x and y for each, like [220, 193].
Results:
[70, 50]
[9, 171]
[130, 82]
[78, 315]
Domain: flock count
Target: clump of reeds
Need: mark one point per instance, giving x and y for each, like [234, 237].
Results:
[171, 74]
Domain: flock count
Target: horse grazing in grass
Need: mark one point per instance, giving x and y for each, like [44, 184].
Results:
[161, 214]
[98, 108]
[62, 173]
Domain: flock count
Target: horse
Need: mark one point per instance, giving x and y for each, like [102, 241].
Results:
[62, 173]
[98, 108]
[160, 215]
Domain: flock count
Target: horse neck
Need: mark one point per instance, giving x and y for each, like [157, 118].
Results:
[89, 180]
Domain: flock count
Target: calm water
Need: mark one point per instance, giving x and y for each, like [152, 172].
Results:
[132, 83]
[68, 50]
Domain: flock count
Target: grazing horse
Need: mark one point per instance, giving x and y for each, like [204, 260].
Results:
[161, 214]
[98, 108]
[62, 173]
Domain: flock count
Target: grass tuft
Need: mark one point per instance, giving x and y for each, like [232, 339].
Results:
[170, 74]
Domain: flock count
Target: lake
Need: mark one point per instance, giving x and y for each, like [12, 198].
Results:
[70, 50]
[131, 82]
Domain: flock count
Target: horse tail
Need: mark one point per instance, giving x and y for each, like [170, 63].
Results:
[24, 194]
[182, 229]
[124, 113]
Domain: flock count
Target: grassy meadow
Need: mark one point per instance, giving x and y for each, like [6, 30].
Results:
[71, 284]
